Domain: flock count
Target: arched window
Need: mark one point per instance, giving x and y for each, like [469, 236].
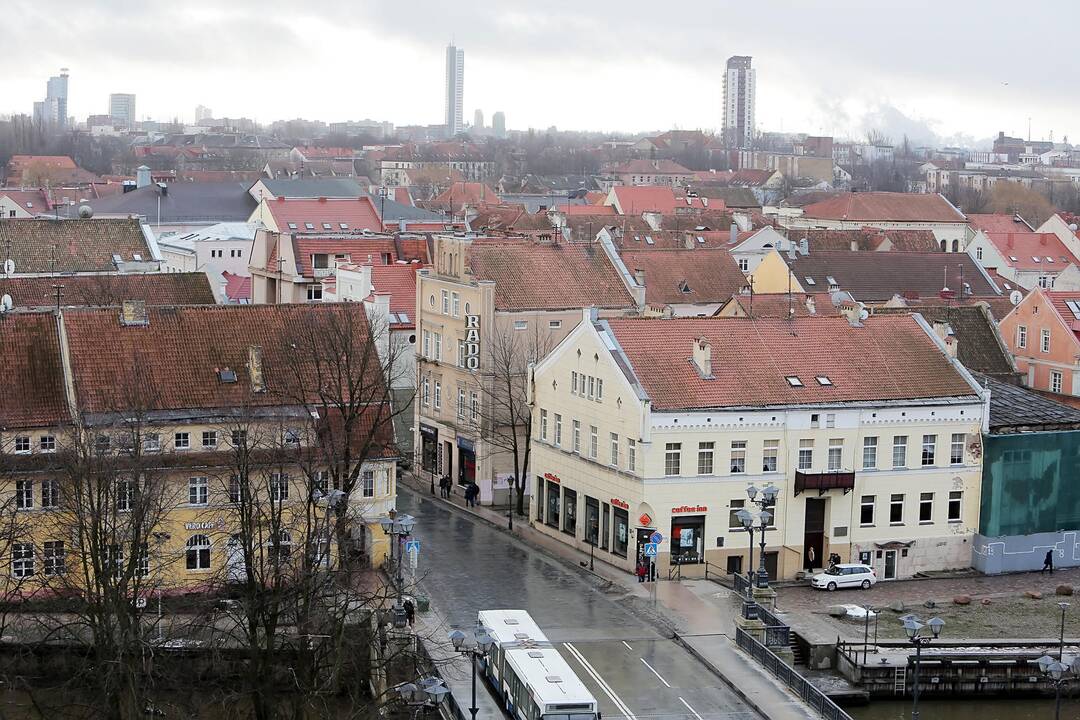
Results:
[944, 246]
[956, 246]
[198, 552]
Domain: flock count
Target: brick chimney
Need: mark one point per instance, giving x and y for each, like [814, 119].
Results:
[702, 356]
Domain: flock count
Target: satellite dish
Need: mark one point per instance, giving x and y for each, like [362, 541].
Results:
[863, 314]
[86, 212]
[1072, 226]
[6, 303]
[1015, 297]
[9, 267]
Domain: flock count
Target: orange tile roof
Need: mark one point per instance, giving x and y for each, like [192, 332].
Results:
[1033, 251]
[356, 250]
[54, 246]
[466, 193]
[295, 215]
[399, 280]
[32, 383]
[779, 305]
[674, 277]
[997, 222]
[651, 167]
[152, 288]
[888, 358]
[885, 206]
[535, 276]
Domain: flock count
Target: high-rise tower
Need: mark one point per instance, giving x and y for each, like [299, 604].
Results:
[455, 89]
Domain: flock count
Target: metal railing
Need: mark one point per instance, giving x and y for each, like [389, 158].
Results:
[809, 694]
[777, 632]
[742, 584]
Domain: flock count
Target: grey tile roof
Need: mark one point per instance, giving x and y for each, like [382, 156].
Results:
[1018, 409]
[184, 202]
[314, 188]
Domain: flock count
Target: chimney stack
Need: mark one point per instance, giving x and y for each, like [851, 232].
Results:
[734, 233]
[142, 176]
[133, 312]
[804, 246]
[811, 306]
[255, 368]
[702, 356]
[639, 276]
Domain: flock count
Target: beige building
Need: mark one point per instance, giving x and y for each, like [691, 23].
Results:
[485, 302]
[870, 430]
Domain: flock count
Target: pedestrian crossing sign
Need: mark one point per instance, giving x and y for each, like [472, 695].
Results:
[650, 549]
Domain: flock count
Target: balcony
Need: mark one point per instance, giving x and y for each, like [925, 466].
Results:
[824, 481]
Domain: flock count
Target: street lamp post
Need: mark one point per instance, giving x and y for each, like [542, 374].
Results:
[765, 504]
[915, 630]
[397, 528]
[423, 694]
[1061, 641]
[383, 192]
[747, 519]
[476, 647]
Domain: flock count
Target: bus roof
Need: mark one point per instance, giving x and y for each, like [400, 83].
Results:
[549, 677]
[508, 626]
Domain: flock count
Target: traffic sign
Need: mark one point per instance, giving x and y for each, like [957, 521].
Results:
[412, 546]
[656, 538]
[650, 549]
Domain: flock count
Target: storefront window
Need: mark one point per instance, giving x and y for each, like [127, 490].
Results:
[605, 525]
[553, 504]
[622, 531]
[569, 511]
[539, 499]
[592, 520]
[687, 541]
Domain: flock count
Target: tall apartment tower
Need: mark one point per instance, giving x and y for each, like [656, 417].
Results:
[740, 82]
[478, 119]
[455, 89]
[203, 113]
[53, 110]
[122, 109]
[498, 124]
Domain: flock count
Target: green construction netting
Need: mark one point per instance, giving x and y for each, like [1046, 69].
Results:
[1030, 483]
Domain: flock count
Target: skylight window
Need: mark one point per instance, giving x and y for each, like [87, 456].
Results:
[701, 239]
[343, 226]
[1013, 258]
[292, 226]
[1075, 307]
[327, 226]
[1035, 258]
[1049, 259]
[309, 226]
[649, 240]
[794, 381]
[810, 281]
[824, 380]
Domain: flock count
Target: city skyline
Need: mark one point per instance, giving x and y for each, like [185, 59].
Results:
[819, 91]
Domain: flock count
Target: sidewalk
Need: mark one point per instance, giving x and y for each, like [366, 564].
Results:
[701, 613]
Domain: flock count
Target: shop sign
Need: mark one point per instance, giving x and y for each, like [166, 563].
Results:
[689, 509]
[552, 477]
[205, 525]
[428, 431]
[645, 519]
[472, 342]
[466, 444]
[620, 504]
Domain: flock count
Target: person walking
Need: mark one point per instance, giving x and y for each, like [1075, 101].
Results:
[641, 571]
[1048, 563]
[410, 611]
[811, 558]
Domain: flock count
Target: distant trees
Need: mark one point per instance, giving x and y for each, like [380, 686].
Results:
[1013, 198]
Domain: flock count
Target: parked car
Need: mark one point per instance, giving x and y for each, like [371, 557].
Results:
[845, 575]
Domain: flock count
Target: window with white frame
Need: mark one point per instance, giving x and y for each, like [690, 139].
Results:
[705, 454]
[558, 430]
[238, 438]
[52, 558]
[320, 481]
[1055, 381]
[806, 454]
[314, 292]
[577, 436]
[521, 324]
[929, 449]
[437, 337]
[291, 438]
[614, 449]
[151, 442]
[899, 451]
[50, 493]
[237, 489]
[737, 463]
[198, 491]
[24, 494]
[543, 424]
[769, 453]
[593, 441]
[836, 453]
[1044, 340]
[592, 387]
[866, 510]
[599, 389]
[209, 439]
[896, 509]
[830, 420]
[673, 459]
[181, 441]
[956, 449]
[198, 552]
[1021, 336]
[125, 495]
[425, 343]
[631, 454]
[869, 453]
[455, 304]
[461, 353]
[22, 444]
[445, 302]
[461, 403]
[438, 395]
[47, 443]
[368, 484]
[425, 391]
[956, 502]
[22, 560]
[573, 382]
[926, 508]
[279, 487]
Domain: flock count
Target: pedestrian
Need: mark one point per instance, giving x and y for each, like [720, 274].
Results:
[641, 571]
[471, 491]
[410, 611]
[811, 558]
[1048, 563]
[444, 485]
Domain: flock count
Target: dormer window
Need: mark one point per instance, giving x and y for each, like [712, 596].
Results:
[810, 281]
[227, 375]
[824, 380]
[794, 381]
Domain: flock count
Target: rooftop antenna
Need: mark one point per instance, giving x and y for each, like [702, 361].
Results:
[59, 293]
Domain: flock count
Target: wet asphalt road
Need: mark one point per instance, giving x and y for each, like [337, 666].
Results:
[631, 668]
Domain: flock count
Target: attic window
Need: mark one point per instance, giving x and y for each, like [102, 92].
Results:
[292, 226]
[343, 226]
[227, 375]
[138, 258]
[684, 287]
[1075, 307]
[810, 281]
[1049, 259]
[701, 239]
[1035, 258]
[1013, 258]
[649, 240]
[824, 380]
[794, 381]
[327, 226]
[309, 226]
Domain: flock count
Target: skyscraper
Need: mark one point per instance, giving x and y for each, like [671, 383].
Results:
[739, 86]
[53, 110]
[203, 113]
[122, 109]
[498, 124]
[455, 89]
[478, 119]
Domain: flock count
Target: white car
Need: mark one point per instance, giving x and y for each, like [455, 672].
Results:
[845, 575]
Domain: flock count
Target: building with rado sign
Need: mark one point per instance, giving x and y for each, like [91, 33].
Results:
[485, 311]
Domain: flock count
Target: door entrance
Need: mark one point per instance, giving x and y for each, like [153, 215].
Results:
[770, 564]
[890, 565]
[814, 534]
[643, 535]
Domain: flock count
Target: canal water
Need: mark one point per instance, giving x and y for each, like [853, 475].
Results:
[971, 709]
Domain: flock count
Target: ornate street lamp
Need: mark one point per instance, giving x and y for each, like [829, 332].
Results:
[478, 646]
[920, 634]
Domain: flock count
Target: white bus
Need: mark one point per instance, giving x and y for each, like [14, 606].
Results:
[533, 679]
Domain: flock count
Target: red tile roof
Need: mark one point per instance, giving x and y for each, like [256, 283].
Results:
[888, 358]
[536, 276]
[237, 287]
[1060, 300]
[779, 305]
[675, 277]
[356, 214]
[55, 246]
[868, 238]
[356, 250]
[997, 222]
[885, 206]
[466, 193]
[587, 209]
[651, 167]
[32, 201]
[179, 352]
[1033, 251]
[32, 383]
[399, 280]
[636, 200]
[152, 288]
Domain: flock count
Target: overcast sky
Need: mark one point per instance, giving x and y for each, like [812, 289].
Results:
[929, 68]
